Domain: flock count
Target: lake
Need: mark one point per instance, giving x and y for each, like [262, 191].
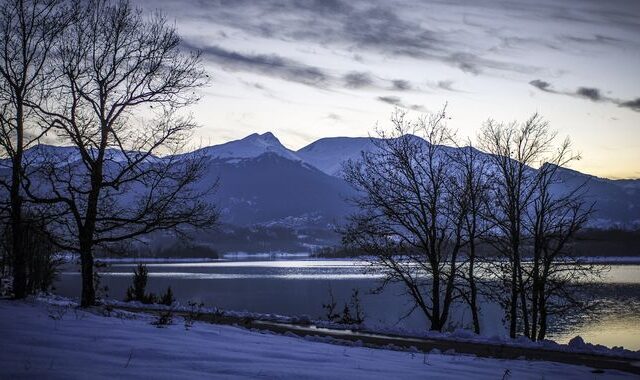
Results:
[297, 287]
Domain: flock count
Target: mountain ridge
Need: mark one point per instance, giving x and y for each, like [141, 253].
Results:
[263, 182]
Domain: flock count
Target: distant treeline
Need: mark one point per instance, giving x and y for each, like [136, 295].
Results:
[589, 243]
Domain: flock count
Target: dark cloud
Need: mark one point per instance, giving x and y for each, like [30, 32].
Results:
[400, 85]
[396, 101]
[589, 93]
[595, 40]
[357, 80]
[387, 28]
[631, 104]
[475, 64]
[390, 100]
[481, 45]
[541, 85]
[446, 85]
[270, 64]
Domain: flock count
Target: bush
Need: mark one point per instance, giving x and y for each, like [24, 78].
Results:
[163, 319]
[42, 261]
[137, 292]
[193, 314]
[167, 298]
[351, 312]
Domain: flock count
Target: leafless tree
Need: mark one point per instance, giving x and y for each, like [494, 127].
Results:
[123, 85]
[533, 224]
[407, 222]
[552, 222]
[28, 33]
[470, 185]
[514, 149]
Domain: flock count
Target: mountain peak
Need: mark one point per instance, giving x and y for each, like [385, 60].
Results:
[266, 138]
[251, 146]
[269, 136]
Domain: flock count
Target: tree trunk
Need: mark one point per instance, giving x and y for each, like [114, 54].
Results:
[513, 306]
[86, 259]
[543, 315]
[86, 237]
[17, 241]
[473, 302]
[436, 323]
[523, 303]
[535, 295]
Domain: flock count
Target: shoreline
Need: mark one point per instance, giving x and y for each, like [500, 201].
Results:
[604, 260]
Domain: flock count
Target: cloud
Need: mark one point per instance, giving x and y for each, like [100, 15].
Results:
[494, 38]
[400, 85]
[446, 85]
[541, 85]
[631, 104]
[396, 101]
[390, 29]
[357, 80]
[289, 69]
[590, 93]
[595, 40]
[475, 64]
[270, 64]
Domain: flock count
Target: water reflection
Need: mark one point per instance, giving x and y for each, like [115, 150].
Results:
[301, 286]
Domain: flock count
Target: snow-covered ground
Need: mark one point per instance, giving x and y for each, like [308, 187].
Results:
[43, 340]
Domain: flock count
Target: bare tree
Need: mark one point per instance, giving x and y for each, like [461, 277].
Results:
[552, 223]
[533, 224]
[514, 148]
[123, 84]
[407, 222]
[470, 184]
[28, 32]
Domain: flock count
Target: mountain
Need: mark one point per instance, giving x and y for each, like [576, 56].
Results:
[272, 189]
[251, 146]
[617, 202]
[329, 153]
[261, 182]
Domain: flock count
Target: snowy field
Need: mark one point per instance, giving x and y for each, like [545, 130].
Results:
[40, 340]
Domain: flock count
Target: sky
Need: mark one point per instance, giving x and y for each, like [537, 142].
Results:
[311, 69]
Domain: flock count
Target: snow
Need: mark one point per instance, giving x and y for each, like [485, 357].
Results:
[617, 201]
[459, 335]
[39, 339]
[328, 154]
[251, 146]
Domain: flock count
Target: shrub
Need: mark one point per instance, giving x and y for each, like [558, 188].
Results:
[163, 319]
[330, 308]
[42, 262]
[167, 298]
[351, 312]
[195, 310]
[137, 292]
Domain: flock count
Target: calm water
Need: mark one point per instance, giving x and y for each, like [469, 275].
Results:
[299, 287]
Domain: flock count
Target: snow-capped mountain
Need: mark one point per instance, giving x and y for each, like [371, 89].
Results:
[617, 202]
[329, 153]
[251, 146]
[274, 189]
[263, 182]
